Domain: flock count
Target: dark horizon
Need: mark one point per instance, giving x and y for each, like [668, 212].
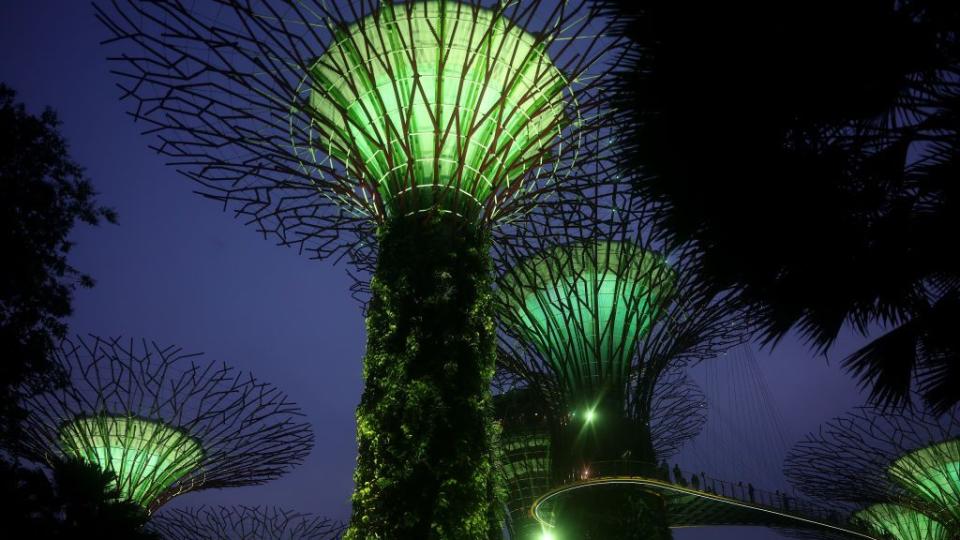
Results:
[179, 270]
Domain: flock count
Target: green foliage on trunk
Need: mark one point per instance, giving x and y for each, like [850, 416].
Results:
[425, 465]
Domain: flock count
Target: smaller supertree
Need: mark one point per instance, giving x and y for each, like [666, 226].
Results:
[599, 328]
[242, 523]
[897, 472]
[163, 422]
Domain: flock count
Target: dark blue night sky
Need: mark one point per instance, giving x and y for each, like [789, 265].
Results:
[179, 270]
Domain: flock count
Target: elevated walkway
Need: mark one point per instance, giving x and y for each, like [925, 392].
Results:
[705, 502]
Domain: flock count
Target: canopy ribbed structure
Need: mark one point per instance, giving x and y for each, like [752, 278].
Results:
[146, 456]
[933, 473]
[318, 120]
[896, 470]
[601, 327]
[585, 309]
[164, 422]
[437, 104]
[524, 456]
[525, 460]
[242, 523]
[900, 522]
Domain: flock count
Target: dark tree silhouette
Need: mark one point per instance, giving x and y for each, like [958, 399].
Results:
[79, 502]
[43, 193]
[809, 150]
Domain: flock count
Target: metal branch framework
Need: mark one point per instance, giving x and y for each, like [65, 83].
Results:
[898, 471]
[163, 421]
[600, 330]
[242, 523]
[608, 317]
[318, 119]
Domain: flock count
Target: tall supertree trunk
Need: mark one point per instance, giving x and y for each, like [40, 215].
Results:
[424, 422]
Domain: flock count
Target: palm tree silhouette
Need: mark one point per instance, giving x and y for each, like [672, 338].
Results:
[809, 150]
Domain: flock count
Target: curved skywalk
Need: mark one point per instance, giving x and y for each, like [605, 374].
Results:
[711, 503]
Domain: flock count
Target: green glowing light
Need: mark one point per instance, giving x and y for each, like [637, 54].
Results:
[934, 474]
[436, 104]
[525, 461]
[547, 535]
[586, 308]
[901, 523]
[589, 416]
[147, 456]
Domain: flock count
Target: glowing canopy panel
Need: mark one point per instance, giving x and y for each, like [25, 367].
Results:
[585, 308]
[901, 523]
[146, 456]
[933, 473]
[525, 463]
[436, 104]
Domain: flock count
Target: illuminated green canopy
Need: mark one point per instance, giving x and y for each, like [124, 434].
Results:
[525, 460]
[586, 307]
[933, 473]
[436, 104]
[901, 523]
[146, 456]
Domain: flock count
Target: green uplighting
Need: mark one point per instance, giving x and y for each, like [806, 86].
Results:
[585, 308]
[901, 523]
[934, 474]
[526, 455]
[589, 416]
[525, 465]
[447, 102]
[146, 456]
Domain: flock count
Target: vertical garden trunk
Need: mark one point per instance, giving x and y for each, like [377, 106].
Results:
[424, 426]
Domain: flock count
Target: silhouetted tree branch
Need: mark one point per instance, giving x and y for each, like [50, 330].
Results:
[809, 150]
[43, 194]
[80, 501]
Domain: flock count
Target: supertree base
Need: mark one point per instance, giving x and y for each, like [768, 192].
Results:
[613, 512]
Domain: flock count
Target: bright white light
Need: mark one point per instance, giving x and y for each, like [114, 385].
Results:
[547, 535]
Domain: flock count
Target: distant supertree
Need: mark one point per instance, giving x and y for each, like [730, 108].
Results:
[431, 125]
[598, 330]
[242, 523]
[163, 421]
[898, 472]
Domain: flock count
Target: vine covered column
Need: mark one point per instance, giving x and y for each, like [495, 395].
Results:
[424, 422]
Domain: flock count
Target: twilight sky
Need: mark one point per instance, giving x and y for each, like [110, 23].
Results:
[179, 270]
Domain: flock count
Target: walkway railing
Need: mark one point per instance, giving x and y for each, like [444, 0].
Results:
[743, 492]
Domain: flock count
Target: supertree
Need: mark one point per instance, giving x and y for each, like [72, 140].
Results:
[422, 128]
[599, 329]
[164, 422]
[898, 472]
[242, 523]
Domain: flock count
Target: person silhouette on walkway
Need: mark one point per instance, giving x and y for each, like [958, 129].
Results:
[678, 476]
[750, 491]
[664, 471]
